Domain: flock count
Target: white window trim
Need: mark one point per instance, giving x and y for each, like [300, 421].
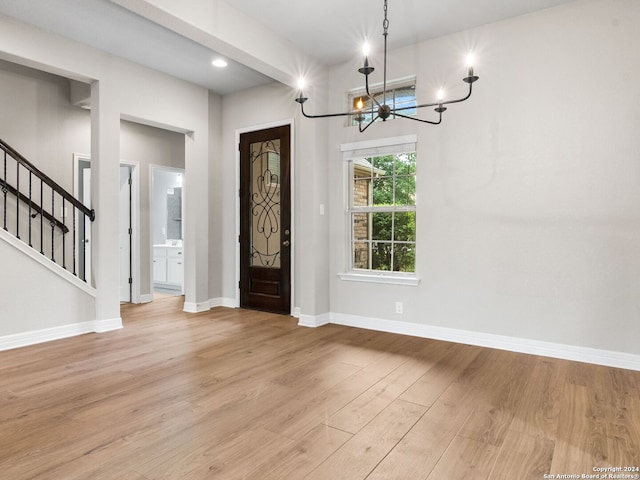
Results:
[390, 278]
[368, 148]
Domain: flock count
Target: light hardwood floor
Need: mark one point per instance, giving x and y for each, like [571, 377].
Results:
[232, 394]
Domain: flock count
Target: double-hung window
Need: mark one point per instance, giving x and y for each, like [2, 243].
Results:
[382, 208]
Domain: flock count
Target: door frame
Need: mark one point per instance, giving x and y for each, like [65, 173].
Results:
[292, 163]
[135, 217]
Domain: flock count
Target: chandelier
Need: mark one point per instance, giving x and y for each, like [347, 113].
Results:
[384, 111]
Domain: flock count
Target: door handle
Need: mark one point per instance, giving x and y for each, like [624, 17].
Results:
[286, 243]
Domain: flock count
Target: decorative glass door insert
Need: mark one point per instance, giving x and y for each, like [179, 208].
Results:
[265, 203]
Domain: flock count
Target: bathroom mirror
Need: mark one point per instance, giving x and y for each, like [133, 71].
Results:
[174, 213]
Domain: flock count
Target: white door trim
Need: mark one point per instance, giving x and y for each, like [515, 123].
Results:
[135, 225]
[135, 217]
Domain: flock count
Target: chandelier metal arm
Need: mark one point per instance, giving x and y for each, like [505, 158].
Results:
[371, 97]
[434, 104]
[419, 119]
[454, 101]
[367, 125]
[327, 115]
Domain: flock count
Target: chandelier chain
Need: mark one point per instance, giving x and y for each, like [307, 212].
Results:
[385, 26]
[385, 23]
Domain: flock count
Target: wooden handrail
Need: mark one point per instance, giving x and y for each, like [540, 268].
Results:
[47, 180]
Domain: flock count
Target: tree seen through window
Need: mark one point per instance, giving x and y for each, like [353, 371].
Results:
[383, 215]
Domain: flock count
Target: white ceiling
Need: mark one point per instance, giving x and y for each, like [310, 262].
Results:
[331, 31]
[111, 28]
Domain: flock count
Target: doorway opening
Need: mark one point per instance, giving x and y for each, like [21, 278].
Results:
[167, 230]
[127, 228]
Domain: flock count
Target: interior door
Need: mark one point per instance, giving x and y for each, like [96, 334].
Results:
[265, 220]
[125, 233]
[86, 200]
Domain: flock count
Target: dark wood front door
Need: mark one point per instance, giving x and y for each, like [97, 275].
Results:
[265, 220]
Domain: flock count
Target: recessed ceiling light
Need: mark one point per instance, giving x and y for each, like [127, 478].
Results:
[219, 62]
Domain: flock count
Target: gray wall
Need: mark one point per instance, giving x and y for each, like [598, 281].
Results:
[34, 298]
[124, 90]
[40, 123]
[528, 194]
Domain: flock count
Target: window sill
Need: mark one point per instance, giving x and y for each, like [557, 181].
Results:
[389, 279]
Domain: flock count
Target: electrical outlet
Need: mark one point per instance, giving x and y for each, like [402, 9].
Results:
[399, 307]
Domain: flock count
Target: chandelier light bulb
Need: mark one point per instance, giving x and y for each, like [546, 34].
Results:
[470, 60]
[301, 83]
[366, 49]
[440, 94]
[359, 105]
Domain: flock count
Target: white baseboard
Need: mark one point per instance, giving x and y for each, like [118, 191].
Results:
[146, 298]
[514, 344]
[191, 307]
[222, 302]
[102, 326]
[25, 339]
[314, 321]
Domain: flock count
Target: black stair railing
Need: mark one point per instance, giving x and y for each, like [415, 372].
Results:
[30, 199]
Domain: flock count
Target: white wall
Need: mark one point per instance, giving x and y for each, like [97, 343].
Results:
[528, 194]
[40, 123]
[43, 303]
[219, 208]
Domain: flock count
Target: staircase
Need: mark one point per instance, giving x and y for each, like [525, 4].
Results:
[43, 215]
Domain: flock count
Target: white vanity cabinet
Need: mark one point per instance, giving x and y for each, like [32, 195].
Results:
[175, 265]
[168, 265]
[159, 264]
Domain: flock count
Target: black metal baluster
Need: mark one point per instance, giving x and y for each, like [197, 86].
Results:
[74, 240]
[64, 237]
[18, 201]
[30, 205]
[84, 246]
[53, 225]
[41, 217]
[4, 192]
